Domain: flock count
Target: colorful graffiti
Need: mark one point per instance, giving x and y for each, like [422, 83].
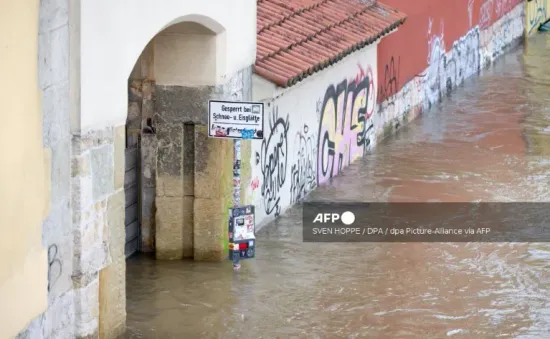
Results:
[460, 18]
[303, 172]
[325, 133]
[346, 126]
[448, 69]
[273, 162]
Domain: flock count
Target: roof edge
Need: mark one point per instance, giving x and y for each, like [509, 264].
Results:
[287, 83]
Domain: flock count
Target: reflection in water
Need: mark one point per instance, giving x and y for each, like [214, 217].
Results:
[488, 144]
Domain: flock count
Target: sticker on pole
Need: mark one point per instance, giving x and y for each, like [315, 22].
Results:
[242, 233]
[235, 120]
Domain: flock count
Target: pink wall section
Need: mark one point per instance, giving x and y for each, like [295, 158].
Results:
[404, 54]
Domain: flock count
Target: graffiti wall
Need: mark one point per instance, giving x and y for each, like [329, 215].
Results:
[313, 132]
[317, 128]
[536, 14]
[442, 43]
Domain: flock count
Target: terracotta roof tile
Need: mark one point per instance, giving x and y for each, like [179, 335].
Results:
[297, 38]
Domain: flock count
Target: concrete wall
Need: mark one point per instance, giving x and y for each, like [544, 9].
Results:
[305, 144]
[536, 14]
[24, 181]
[442, 43]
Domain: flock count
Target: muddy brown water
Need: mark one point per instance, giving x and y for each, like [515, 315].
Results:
[489, 141]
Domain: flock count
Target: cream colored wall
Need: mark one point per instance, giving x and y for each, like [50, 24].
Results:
[185, 55]
[23, 188]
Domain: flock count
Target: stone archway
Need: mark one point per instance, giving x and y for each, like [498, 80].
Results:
[186, 178]
[181, 200]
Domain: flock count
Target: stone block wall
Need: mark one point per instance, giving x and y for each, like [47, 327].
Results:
[57, 231]
[98, 230]
[193, 172]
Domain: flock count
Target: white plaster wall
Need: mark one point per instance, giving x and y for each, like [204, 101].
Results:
[114, 33]
[284, 166]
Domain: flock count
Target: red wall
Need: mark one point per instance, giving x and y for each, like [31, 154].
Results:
[409, 45]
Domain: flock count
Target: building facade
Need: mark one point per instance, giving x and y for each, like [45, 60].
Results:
[316, 124]
[108, 145]
[99, 65]
[25, 172]
[441, 44]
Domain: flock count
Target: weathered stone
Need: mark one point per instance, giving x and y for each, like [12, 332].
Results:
[148, 103]
[188, 226]
[209, 229]
[87, 310]
[169, 170]
[119, 158]
[147, 235]
[134, 115]
[188, 160]
[210, 156]
[135, 91]
[169, 186]
[48, 184]
[60, 266]
[89, 261]
[168, 228]
[94, 335]
[148, 159]
[238, 88]
[81, 197]
[59, 319]
[53, 14]
[112, 300]
[92, 139]
[53, 56]
[89, 233]
[35, 330]
[58, 224]
[170, 150]
[178, 104]
[147, 219]
[80, 166]
[55, 114]
[102, 171]
[60, 171]
[115, 234]
[81, 280]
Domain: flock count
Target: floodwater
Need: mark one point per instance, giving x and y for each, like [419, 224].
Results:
[489, 141]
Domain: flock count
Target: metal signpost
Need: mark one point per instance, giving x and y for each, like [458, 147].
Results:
[238, 121]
